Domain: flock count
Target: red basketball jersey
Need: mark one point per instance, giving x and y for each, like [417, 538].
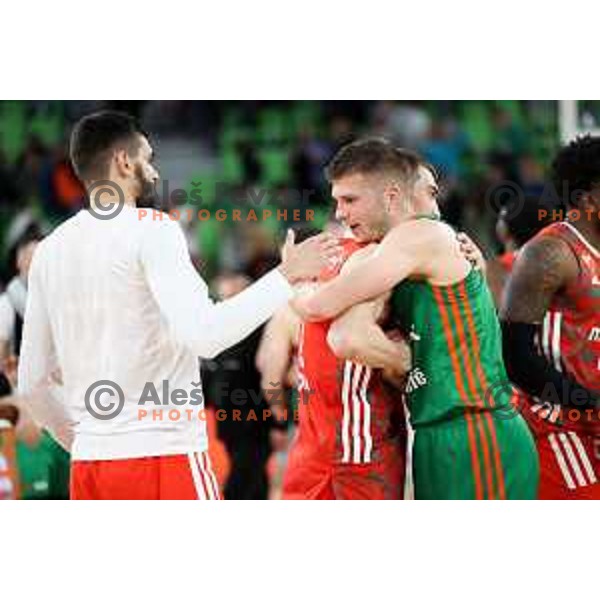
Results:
[344, 407]
[570, 334]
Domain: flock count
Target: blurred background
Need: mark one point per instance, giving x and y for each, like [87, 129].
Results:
[234, 148]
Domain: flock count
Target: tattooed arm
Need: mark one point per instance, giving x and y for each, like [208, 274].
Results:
[544, 267]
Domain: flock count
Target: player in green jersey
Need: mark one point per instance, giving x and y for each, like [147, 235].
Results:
[469, 440]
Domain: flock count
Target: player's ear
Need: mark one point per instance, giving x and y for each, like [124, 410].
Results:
[123, 163]
[391, 196]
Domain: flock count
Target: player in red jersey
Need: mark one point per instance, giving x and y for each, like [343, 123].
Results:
[551, 323]
[351, 438]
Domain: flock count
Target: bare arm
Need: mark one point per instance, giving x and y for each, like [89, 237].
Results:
[357, 336]
[274, 356]
[544, 267]
[403, 252]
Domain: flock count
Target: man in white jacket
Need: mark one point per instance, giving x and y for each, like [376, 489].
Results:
[117, 318]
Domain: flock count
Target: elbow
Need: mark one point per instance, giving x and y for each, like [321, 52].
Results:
[310, 309]
[207, 348]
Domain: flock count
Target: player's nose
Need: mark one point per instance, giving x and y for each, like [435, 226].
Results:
[340, 213]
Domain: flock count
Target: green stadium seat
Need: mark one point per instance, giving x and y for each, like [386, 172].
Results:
[275, 162]
[13, 131]
[476, 122]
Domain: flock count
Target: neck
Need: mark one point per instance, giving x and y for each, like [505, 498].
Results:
[108, 193]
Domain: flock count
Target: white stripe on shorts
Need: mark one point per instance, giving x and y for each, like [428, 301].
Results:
[587, 465]
[572, 459]
[209, 470]
[196, 477]
[561, 461]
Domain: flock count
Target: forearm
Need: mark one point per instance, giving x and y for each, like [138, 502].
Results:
[226, 323]
[369, 345]
[372, 277]
[209, 328]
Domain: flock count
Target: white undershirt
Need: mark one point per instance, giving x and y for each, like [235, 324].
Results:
[120, 300]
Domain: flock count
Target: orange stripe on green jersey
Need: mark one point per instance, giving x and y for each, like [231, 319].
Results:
[447, 329]
[479, 387]
[454, 330]
[476, 395]
[485, 386]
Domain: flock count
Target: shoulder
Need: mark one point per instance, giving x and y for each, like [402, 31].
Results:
[156, 228]
[155, 221]
[417, 233]
[547, 252]
[545, 266]
[359, 254]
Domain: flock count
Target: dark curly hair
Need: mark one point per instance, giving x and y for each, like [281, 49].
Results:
[576, 169]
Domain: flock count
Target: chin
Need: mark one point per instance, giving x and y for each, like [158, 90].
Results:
[365, 237]
[358, 235]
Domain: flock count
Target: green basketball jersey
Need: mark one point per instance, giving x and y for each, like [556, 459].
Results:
[455, 340]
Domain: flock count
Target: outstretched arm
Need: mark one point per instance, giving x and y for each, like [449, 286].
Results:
[204, 326]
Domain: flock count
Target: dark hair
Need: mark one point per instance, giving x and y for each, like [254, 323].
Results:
[524, 222]
[374, 155]
[95, 136]
[576, 168]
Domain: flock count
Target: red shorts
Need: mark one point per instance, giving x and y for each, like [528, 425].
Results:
[178, 477]
[569, 460]
[309, 477]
